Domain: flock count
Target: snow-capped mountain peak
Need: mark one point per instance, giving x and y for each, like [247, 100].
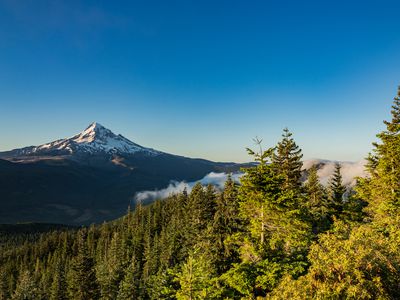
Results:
[95, 132]
[95, 139]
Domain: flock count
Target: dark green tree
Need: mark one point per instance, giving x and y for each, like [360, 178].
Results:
[273, 211]
[337, 191]
[199, 211]
[382, 188]
[276, 236]
[227, 222]
[110, 271]
[317, 202]
[4, 288]
[287, 160]
[58, 289]
[195, 278]
[82, 281]
[259, 195]
[128, 288]
[27, 288]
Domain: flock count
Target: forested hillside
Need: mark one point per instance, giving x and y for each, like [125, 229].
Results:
[89, 178]
[271, 237]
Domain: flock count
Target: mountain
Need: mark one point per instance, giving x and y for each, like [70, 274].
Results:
[94, 140]
[90, 177]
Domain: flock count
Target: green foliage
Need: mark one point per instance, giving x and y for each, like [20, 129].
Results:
[111, 270]
[128, 287]
[195, 278]
[287, 161]
[59, 285]
[163, 285]
[382, 189]
[276, 232]
[347, 263]
[317, 202]
[226, 223]
[199, 208]
[27, 288]
[271, 237]
[272, 211]
[337, 191]
[82, 280]
[241, 278]
[4, 291]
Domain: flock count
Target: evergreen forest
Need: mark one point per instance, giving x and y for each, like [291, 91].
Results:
[278, 234]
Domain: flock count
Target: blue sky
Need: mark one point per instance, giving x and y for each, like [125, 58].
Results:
[200, 78]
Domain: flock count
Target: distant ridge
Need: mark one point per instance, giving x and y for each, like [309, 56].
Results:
[89, 177]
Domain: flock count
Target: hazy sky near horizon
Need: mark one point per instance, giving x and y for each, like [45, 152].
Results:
[200, 78]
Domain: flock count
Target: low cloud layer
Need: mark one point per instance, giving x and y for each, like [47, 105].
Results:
[217, 179]
[349, 171]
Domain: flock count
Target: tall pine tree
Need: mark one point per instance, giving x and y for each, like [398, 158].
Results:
[4, 288]
[317, 202]
[27, 288]
[58, 289]
[83, 283]
[195, 278]
[128, 288]
[287, 161]
[337, 191]
[272, 210]
[227, 222]
[382, 189]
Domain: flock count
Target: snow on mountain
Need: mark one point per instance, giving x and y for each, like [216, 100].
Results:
[94, 139]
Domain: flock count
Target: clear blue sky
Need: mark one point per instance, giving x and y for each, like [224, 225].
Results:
[200, 78]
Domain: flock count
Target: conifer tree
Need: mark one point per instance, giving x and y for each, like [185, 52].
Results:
[195, 206]
[195, 278]
[275, 227]
[337, 191]
[260, 186]
[382, 189]
[151, 256]
[58, 290]
[317, 204]
[226, 217]
[201, 204]
[26, 287]
[226, 223]
[198, 211]
[43, 278]
[210, 202]
[128, 288]
[273, 212]
[83, 283]
[4, 293]
[287, 161]
[110, 271]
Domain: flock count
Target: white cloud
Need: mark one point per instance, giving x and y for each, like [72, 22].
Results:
[217, 179]
[349, 171]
